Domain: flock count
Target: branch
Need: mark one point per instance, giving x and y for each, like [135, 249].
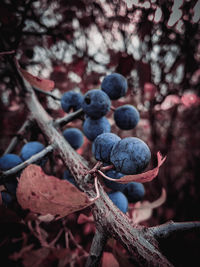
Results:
[70, 117]
[97, 247]
[26, 125]
[24, 164]
[170, 228]
[107, 216]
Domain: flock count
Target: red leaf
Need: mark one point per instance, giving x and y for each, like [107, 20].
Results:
[190, 99]
[45, 194]
[109, 260]
[44, 84]
[140, 178]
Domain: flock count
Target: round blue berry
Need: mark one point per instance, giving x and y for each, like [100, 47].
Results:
[92, 128]
[74, 137]
[134, 192]
[114, 85]
[126, 117]
[6, 198]
[103, 145]
[96, 103]
[120, 200]
[32, 148]
[9, 161]
[71, 100]
[111, 184]
[130, 155]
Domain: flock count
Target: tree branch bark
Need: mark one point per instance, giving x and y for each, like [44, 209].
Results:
[97, 248]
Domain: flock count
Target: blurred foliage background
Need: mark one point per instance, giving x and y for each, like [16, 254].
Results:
[153, 43]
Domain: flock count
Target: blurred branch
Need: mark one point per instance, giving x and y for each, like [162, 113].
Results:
[97, 247]
[26, 126]
[170, 228]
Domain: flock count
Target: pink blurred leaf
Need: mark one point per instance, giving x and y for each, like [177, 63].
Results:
[140, 178]
[169, 102]
[45, 194]
[44, 84]
[142, 211]
[190, 99]
[109, 260]
[149, 90]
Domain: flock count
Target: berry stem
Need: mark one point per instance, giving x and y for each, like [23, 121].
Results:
[107, 168]
[96, 167]
[68, 118]
[46, 93]
[112, 108]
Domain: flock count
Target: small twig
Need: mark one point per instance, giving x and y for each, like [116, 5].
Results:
[70, 117]
[7, 52]
[112, 108]
[96, 250]
[107, 168]
[24, 164]
[165, 230]
[46, 93]
[26, 125]
[96, 167]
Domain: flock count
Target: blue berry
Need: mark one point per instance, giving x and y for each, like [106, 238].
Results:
[130, 155]
[114, 185]
[134, 192]
[9, 161]
[6, 198]
[114, 85]
[74, 136]
[103, 145]
[32, 148]
[71, 100]
[93, 128]
[96, 103]
[120, 200]
[69, 177]
[126, 117]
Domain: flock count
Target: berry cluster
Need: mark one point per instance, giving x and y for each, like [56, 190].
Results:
[128, 155]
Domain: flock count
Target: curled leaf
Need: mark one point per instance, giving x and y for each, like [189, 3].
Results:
[142, 211]
[140, 178]
[44, 84]
[45, 194]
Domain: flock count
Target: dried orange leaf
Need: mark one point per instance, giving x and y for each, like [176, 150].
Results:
[44, 84]
[140, 178]
[45, 194]
[142, 211]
